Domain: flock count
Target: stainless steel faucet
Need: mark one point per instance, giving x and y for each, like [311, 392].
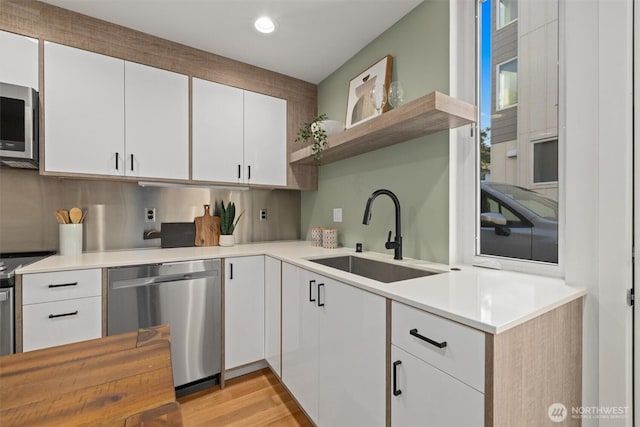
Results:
[396, 244]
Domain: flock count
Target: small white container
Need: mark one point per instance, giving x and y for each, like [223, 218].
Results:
[227, 240]
[316, 236]
[70, 237]
[329, 238]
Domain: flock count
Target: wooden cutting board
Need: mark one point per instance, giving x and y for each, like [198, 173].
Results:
[207, 229]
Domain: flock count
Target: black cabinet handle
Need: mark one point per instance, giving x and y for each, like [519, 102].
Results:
[53, 316]
[132, 163]
[230, 271]
[249, 172]
[415, 333]
[117, 157]
[320, 304]
[238, 171]
[311, 298]
[62, 285]
[396, 392]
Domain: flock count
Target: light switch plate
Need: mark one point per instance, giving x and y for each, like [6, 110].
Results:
[337, 214]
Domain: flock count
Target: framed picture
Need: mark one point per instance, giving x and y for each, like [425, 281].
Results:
[359, 107]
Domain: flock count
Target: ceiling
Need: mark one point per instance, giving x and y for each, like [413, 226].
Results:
[313, 37]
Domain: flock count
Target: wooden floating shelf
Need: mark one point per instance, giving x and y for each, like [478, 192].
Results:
[429, 114]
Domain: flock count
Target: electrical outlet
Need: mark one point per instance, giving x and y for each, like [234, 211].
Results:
[149, 214]
[337, 214]
[263, 214]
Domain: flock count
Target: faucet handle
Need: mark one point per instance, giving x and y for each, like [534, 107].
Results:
[389, 244]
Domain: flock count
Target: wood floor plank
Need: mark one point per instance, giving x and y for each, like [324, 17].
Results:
[255, 399]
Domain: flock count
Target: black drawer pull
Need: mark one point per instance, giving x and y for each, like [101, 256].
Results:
[230, 271]
[415, 333]
[117, 155]
[62, 285]
[53, 316]
[320, 304]
[396, 392]
[311, 298]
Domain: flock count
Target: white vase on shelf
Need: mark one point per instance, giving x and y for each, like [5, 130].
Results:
[227, 240]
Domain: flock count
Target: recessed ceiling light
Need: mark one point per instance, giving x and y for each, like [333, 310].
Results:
[265, 25]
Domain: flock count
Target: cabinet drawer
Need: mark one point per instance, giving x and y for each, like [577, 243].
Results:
[61, 322]
[463, 355]
[61, 285]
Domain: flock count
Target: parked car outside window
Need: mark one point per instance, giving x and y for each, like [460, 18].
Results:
[517, 223]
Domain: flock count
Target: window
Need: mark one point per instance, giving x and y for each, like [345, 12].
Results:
[517, 182]
[545, 161]
[507, 90]
[507, 12]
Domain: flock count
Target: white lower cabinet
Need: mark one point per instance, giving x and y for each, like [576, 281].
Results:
[333, 349]
[427, 396]
[243, 311]
[437, 370]
[272, 305]
[61, 308]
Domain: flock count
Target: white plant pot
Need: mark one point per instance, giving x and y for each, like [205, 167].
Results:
[227, 240]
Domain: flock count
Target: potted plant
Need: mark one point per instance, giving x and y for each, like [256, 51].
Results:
[227, 224]
[315, 130]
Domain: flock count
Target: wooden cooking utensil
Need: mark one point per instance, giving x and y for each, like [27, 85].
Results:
[75, 214]
[84, 214]
[65, 216]
[207, 229]
[59, 217]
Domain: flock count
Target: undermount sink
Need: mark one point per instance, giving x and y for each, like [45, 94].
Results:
[376, 270]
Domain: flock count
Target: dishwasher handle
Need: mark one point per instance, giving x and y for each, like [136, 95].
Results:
[154, 280]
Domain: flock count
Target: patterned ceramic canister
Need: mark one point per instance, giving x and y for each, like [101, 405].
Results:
[316, 236]
[330, 238]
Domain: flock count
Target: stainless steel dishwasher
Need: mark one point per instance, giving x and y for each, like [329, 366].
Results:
[185, 295]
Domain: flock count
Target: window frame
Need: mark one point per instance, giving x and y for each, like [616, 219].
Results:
[464, 155]
[543, 184]
[506, 24]
[497, 82]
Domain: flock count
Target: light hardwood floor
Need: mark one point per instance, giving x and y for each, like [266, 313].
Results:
[256, 399]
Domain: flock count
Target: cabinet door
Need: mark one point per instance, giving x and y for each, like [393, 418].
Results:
[272, 312]
[431, 397]
[84, 111]
[244, 311]
[300, 337]
[352, 356]
[156, 123]
[265, 139]
[217, 147]
[19, 60]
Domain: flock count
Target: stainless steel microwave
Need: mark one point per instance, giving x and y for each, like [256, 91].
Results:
[18, 126]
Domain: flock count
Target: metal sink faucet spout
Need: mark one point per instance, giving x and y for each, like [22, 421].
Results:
[396, 244]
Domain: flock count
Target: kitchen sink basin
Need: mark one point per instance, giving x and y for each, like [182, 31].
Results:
[376, 270]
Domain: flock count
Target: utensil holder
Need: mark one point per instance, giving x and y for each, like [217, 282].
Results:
[329, 238]
[70, 236]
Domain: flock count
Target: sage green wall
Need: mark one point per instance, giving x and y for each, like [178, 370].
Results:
[416, 171]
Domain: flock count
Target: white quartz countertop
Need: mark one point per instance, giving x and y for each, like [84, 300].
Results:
[490, 300]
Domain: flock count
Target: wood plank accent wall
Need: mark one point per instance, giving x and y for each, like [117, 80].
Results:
[45, 22]
[534, 365]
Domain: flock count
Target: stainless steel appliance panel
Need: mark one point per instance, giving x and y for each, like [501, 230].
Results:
[6, 321]
[185, 295]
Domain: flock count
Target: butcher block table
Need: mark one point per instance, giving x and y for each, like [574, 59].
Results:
[120, 380]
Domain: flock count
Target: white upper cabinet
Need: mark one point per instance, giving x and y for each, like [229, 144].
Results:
[156, 122]
[217, 132]
[107, 116]
[265, 139]
[238, 136]
[19, 65]
[84, 111]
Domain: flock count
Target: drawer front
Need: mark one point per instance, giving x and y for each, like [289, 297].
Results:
[61, 285]
[61, 322]
[461, 357]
